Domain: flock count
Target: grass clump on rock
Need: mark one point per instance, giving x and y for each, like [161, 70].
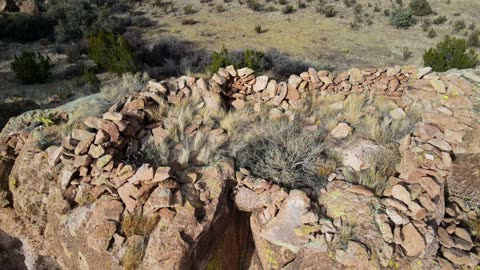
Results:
[31, 68]
[285, 153]
[111, 52]
[450, 53]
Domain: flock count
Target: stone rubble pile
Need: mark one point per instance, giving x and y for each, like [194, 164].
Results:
[413, 218]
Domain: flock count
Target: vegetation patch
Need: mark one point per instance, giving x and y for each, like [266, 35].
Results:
[450, 53]
[31, 68]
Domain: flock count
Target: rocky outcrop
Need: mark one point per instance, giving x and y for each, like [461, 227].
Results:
[93, 199]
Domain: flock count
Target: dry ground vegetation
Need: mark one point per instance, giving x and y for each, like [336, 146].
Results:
[294, 150]
[359, 32]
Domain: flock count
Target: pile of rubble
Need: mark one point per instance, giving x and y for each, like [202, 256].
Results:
[412, 220]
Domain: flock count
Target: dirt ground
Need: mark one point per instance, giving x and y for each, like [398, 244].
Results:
[309, 35]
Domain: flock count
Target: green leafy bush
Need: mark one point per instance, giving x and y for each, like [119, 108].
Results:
[402, 18]
[111, 52]
[31, 68]
[450, 53]
[24, 28]
[254, 60]
[219, 60]
[420, 7]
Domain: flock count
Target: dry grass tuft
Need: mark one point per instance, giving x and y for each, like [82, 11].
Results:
[283, 152]
[353, 108]
[382, 167]
[134, 254]
[138, 224]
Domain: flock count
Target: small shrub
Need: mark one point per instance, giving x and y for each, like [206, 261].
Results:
[91, 79]
[402, 18]
[431, 33]
[220, 8]
[420, 7]
[472, 26]
[283, 2]
[459, 26]
[426, 23]
[31, 68]
[301, 4]
[73, 51]
[258, 29]
[473, 39]
[138, 224]
[255, 5]
[188, 9]
[450, 53]
[219, 60]
[376, 9]
[253, 59]
[328, 10]
[288, 9]
[406, 53]
[349, 3]
[111, 52]
[386, 13]
[358, 8]
[440, 20]
[189, 21]
[285, 153]
[25, 28]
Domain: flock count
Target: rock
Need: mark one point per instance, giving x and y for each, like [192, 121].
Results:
[399, 192]
[260, 83]
[103, 161]
[231, 69]
[292, 94]
[427, 202]
[128, 193]
[439, 86]
[271, 90]
[361, 190]
[96, 151]
[157, 86]
[54, 157]
[247, 200]
[313, 76]
[441, 144]
[113, 116]
[83, 160]
[309, 218]
[430, 186]
[144, 173]
[238, 104]
[445, 239]
[355, 256]
[160, 198]
[393, 71]
[398, 114]
[161, 174]
[356, 76]
[397, 218]
[294, 81]
[459, 257]
[244, 72]
[219, 79]
[464, 241]
[280, 230]
[423, 71]
[412, 242]
[342, 130]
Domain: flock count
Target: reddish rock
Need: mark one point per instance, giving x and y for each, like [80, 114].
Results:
[342, 130]
[413, 242]
[144, 173]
